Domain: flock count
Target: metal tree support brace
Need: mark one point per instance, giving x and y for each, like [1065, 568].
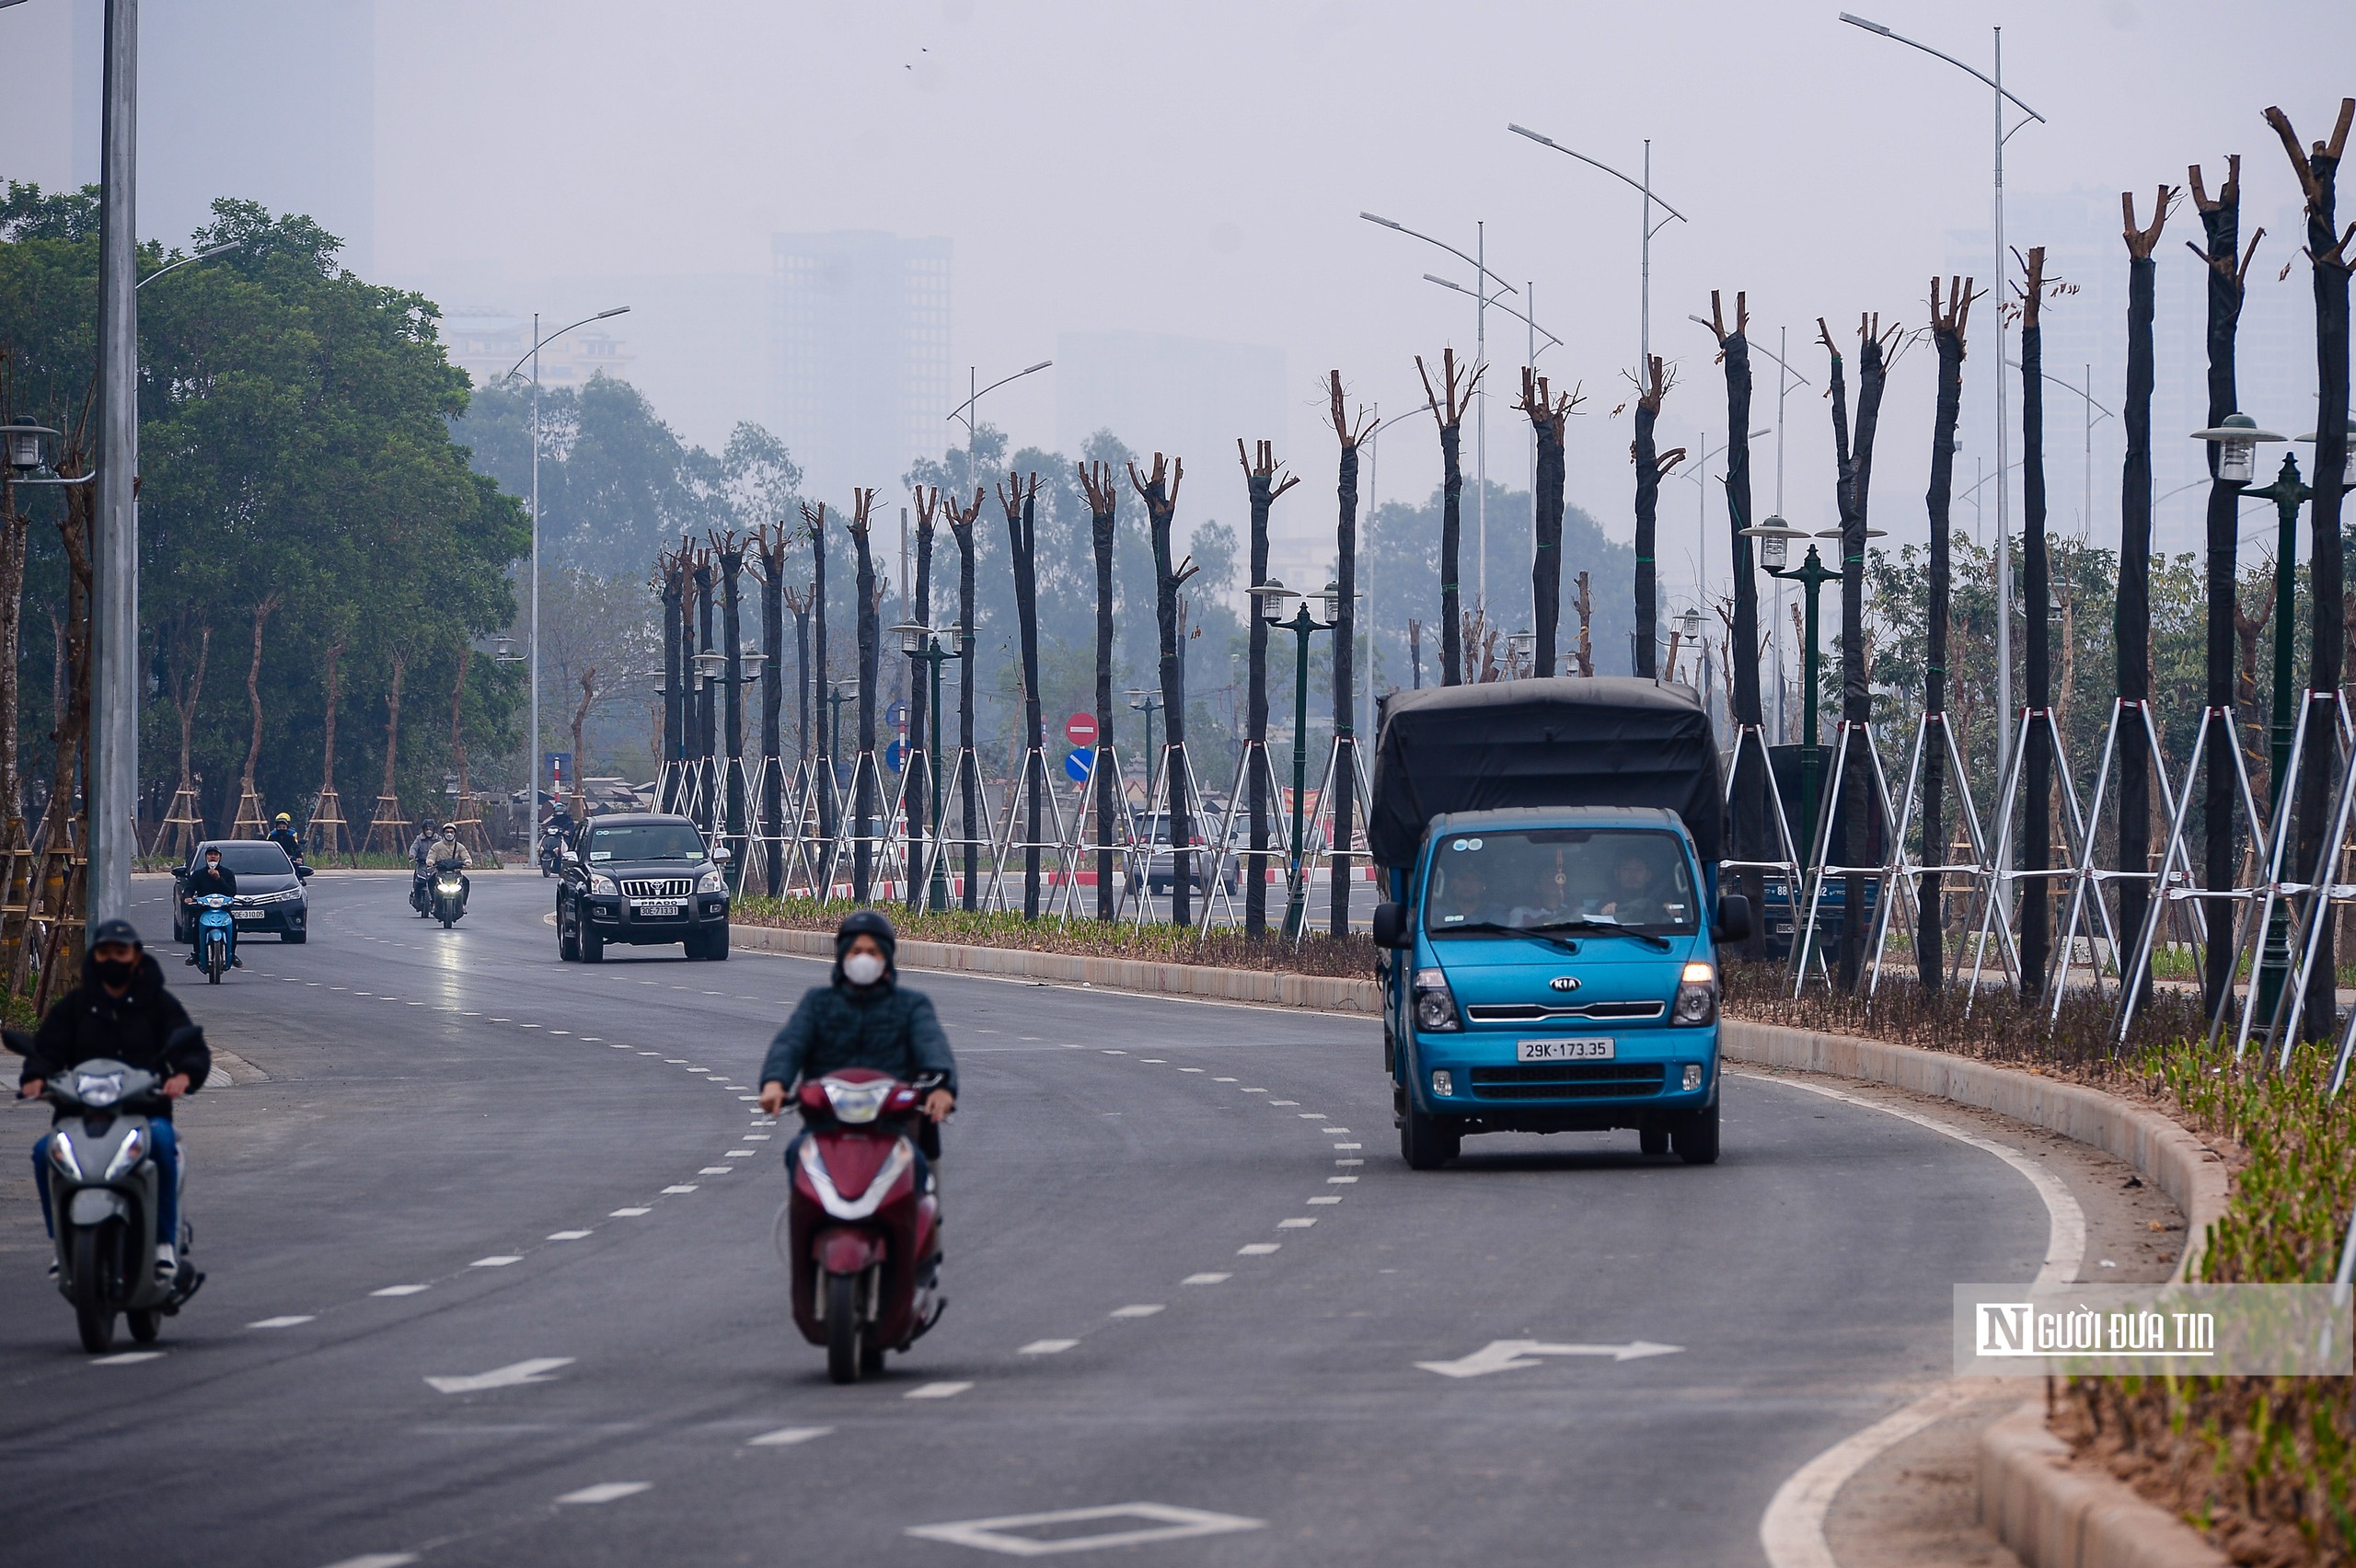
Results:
[1031, 783]
[2313, 918]
[2087, 878]
[2034, 721]
[1791, 868]
[1080, 850]
[1138, 887]
[1980, 868]
[1819, 849]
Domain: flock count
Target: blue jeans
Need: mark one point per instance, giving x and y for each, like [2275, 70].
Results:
[164, 1148]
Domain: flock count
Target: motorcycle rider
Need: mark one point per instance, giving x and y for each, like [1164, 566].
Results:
[284, 835]
[211, 877]
[448, 854]
[863, 1019]
[120, 1010]
[420, 850]
[561, 822]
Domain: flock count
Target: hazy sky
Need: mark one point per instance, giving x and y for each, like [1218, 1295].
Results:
[1198, 168]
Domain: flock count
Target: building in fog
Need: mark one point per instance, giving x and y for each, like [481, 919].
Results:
[1192, 398]
[859, 335]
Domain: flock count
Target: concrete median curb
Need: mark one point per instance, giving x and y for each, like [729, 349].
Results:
[2053, 1514]
[1259, 987]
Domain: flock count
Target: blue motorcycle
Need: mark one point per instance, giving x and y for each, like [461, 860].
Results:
[217, 935]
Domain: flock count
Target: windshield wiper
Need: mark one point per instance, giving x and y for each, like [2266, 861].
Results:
[1606, 925]
[1543, 933]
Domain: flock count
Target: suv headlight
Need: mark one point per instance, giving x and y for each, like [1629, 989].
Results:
[1697, 996]
[601, 883]
[712, 881]
[1435, 1004]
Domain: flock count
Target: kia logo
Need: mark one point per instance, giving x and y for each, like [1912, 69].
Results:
[1565, 982]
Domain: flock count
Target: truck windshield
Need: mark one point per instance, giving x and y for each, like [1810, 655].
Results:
[1538, 879]
[647, 841]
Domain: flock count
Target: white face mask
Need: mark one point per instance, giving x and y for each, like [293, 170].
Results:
[863, 968]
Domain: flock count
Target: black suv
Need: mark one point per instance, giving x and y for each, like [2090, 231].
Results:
[639, 877]
[269, 889]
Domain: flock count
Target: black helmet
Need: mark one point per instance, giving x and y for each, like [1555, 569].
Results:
[866, 923]
[115, 930]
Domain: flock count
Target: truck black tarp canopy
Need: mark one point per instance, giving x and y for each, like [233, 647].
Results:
[1568, 741]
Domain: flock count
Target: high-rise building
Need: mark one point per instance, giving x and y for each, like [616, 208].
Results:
[860, 353]
[1191, 397]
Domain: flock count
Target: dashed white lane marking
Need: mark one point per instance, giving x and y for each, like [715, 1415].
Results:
[1339, 1131]
[628, 1213]
[1207, 1279]
[683, 1187]
[126, 1358]
[285, 1322]
[786, 1435]
[401, 1290]
[1250, 1090]
[1299, 1223]
[936, 1390]
[1046, 1347]
[756, 1137]
[1284, 1101]
[1347, 1161]
[1339, 1180]
[740, 1154]
[566, 1235]
[378, 1560]
[497, 1261]
[1325, 1200]
[1349, 1146]
[1222, 1080]
[1155, 1061]
[607, 1492]
[1190, 1069]
[717, 1171]
[1140, 1310]
[1257, 1249]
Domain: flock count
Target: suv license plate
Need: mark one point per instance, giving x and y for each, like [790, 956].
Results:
[1563, 1050]
[656, 906]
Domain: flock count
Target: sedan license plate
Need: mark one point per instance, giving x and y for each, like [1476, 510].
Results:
[656, 906]
[1563, 1050]
[250, 914]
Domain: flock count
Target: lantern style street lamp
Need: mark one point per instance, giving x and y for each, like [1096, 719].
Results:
[22, 445]
[1271, 598]
[2236, 437]
[2286, 492]
[2348, 457]
[1775, 538]
[1148, 701]
[933, 647]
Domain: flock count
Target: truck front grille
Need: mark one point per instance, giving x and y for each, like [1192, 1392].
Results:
[1539, 1012]
[657, 887]
[1568, 1080]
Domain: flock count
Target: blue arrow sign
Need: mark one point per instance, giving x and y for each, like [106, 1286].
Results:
[1077, 764]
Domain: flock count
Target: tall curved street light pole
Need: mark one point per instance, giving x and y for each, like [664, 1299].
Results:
[2003, 525]
[1785, 379]
[1482, 277]
[965, 410]
[1645, 267]
[532, 756]
[1533, 349]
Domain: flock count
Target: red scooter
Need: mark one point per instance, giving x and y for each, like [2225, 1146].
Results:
[863, 1225]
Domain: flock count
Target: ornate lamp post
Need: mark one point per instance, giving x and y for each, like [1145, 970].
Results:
[925, 645]
[1271, 597]
[1146, 700]
[1775, 538]
[2286, 492]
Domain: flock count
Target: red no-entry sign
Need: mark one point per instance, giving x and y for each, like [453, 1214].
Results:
[1080, 728]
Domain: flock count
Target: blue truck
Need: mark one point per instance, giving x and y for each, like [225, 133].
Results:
[1550, 934]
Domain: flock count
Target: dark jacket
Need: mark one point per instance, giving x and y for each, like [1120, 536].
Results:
[286, 838]
[136, 1028]
[204, 879]
[888, 1028]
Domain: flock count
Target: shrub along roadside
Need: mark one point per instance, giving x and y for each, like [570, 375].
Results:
[2266, 1467]
[1349, 958]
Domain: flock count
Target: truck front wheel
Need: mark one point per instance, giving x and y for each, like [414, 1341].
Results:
[1427, 1143]
[1696, 1138]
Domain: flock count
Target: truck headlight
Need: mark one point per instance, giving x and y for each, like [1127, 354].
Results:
[1435, 1004]
[601, 883]
[1697, 996]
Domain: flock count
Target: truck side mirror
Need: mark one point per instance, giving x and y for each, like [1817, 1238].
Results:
[1391, 925]
[1734, 919]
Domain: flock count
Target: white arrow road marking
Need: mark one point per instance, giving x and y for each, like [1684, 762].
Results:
[531, 1371]
[1505, 1356]
[1145, 1522]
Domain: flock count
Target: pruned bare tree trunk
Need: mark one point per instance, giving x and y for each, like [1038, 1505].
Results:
[1948, 326]
[1751, 841]
[1158, 490]
[2328, 254]
[580, 732]
[770, 546]
[1459, 386]
[1548, 415]
[921, 717]
[1584, 604]
[1651, 465]
[2131, 627]
[188, 690]
[1103, 493]
[814, 529]
[1020, 498]
[961, 517]
[263, 612]
[863, 771]
[2037, 587]
[1352, 432]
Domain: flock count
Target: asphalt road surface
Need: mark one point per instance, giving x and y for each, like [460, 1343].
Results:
[1187, 1273]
